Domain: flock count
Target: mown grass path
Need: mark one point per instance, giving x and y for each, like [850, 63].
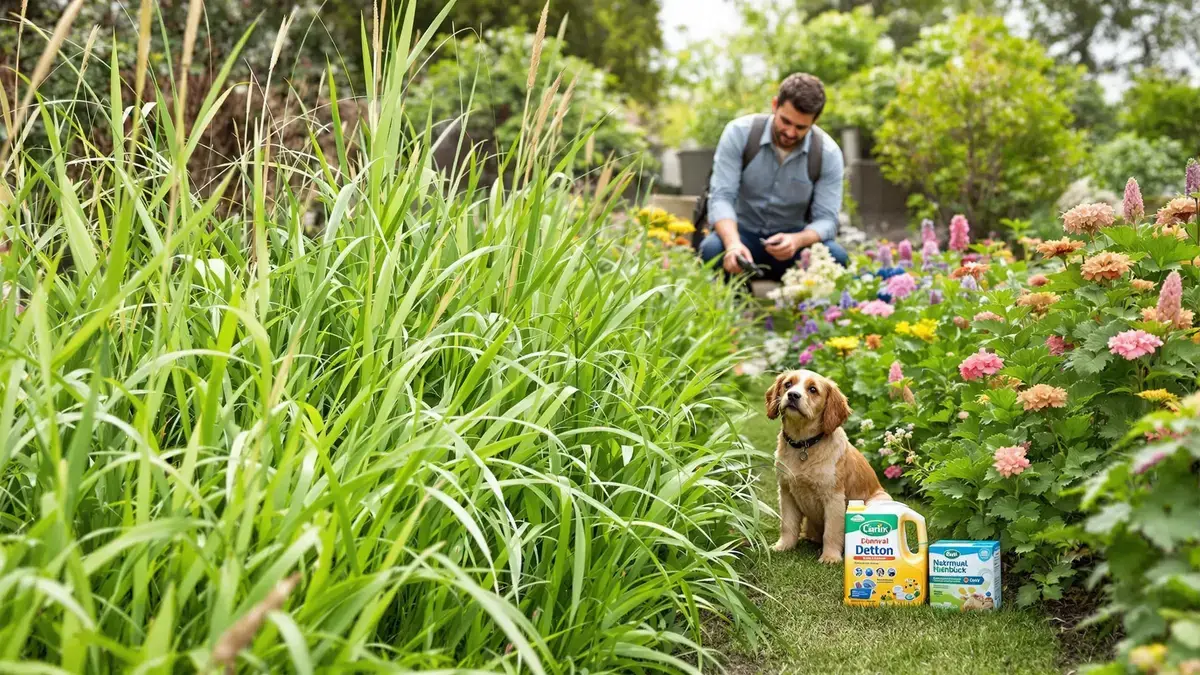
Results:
[813, 632]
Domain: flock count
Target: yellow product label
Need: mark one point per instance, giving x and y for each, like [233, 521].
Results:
[880, 567]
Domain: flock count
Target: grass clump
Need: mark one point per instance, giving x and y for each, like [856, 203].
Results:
[483, 430]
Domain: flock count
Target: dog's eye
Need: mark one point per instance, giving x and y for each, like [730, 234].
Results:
[812, 389]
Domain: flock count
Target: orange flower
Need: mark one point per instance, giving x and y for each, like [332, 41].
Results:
[1106, 265]
[1176, 231]
[1143, 285]
[973, 269]
[1182, 322]
[1038, 302]
[1041, 396]
[1178, 210]
[1059, 248]
[874, 341]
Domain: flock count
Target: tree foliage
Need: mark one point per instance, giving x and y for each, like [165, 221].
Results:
[487, 82]
[619, 36]
[1160, 105]
[979, 124]
[1107, 36]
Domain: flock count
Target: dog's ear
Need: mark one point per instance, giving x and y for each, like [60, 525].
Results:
[774, 393]
[837, 408]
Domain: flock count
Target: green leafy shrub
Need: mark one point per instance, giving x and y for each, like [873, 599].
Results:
[1144, 521]
[1159, 105]
[1155, 162]
[980, 126]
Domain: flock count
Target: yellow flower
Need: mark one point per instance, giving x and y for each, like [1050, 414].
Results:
[1170, 401]
[926, 329]
[904, 328]
[1147, 658]
[680, 226]
[659, 233]
[843, 344]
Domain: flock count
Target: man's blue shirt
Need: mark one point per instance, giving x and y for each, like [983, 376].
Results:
[767, 197]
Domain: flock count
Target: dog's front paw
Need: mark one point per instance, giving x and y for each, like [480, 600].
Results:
[830, 557]
[784, 545]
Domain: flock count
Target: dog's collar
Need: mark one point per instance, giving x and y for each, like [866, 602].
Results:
[805, 444]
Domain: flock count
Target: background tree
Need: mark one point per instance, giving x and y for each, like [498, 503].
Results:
[622, 37]
[1158, 105]
[1134, 33]
[981, 126]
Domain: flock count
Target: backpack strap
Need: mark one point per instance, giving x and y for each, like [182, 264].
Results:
[815, 154]
[754, 140]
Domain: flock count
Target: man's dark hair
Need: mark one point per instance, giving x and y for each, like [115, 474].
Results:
[805, 92]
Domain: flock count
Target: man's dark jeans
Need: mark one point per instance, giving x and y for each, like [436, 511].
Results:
[713, 247]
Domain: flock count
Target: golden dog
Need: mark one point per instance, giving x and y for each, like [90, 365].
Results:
[818, 468]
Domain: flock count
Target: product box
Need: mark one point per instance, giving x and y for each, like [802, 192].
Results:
[964, 575]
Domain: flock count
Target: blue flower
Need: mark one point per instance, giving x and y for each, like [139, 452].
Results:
[936, 297]
[847, 300]
[770, 324]
[810, 328]
[886, 273]
[970, 284]
[884, 296]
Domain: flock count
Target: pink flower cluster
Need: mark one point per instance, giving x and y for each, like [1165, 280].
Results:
[978, 365]
[893, 472]
[1133, 207]
[1038, 280]
[1170, 298]
[877, 308]
[1057, 345]
[988, 316]
[895, 373]
[905, 251]
[901, 286]
[960, 233]
[1133, 344]
[1010, 461]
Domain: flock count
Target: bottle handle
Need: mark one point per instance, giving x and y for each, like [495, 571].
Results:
[922, 540]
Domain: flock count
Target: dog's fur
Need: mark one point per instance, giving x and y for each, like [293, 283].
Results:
[813, 492]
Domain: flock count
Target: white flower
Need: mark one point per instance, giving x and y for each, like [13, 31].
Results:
[868, 424]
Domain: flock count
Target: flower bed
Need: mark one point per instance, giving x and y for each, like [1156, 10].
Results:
[995, 385]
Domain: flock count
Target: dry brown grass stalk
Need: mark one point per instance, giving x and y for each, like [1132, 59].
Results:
[239, 636]
[539, 39]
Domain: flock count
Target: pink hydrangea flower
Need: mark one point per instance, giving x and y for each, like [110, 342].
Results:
[960, 233]
[1057, 345]
[1133, 344]
[905, 252]
[895, 373]
[1038, 280]
[988, 316]
[901, 285]
[1010, 461]
[877, 308]
[833, 314]
[893, 472]
[978, 365]
[1170, 298]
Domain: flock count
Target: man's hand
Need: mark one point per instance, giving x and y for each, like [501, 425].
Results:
[783, 246]
[732, 254]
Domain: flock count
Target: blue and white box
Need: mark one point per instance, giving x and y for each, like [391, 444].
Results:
[964, 575]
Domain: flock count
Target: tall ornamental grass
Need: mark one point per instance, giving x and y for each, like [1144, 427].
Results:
[448, 429]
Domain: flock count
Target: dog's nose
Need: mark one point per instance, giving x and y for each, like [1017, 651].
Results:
[793, 396]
